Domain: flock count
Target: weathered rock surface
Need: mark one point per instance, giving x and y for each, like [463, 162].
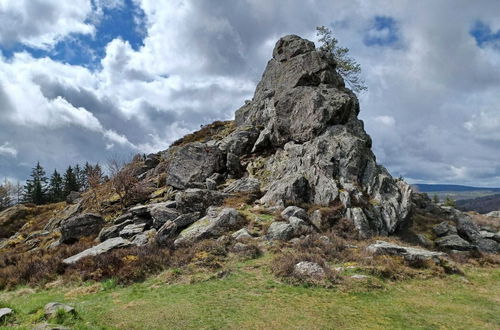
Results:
[51, 309]
[322, 152]
[213, 225]
[192, 163]
[4, 312]
[244, 185]
[79, 226]
[198, 200]
[494, 214]
[280, 230]
[409, 253]
[241, 234]
[110, 244]
[172, 228]
[294, 211]
[443, 229]
[309, 269]
[132, 230]
[113, 231]
[453, 242]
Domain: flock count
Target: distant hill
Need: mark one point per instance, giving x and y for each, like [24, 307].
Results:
[481, 204]
[427, 188]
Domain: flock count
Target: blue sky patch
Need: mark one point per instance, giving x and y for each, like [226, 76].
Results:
[126, 22]
[383, 31]
[484, 36]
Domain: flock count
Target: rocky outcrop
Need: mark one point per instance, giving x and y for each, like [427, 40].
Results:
[409, 253]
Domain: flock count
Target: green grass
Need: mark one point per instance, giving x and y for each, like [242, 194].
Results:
[252, 298]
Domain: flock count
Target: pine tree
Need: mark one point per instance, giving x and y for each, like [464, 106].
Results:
[80, 178]
[56, 188]
[347, 67]
[70, 183]
[35, 190]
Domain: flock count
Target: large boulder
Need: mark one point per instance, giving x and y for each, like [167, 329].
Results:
[245, 185]
[453, 242]
[193, 163]
[172, 228]
[110, 244]
[214, 224]
[281, 231]
[74, 228]
[161, 213]
[409, 253]
[198, 200]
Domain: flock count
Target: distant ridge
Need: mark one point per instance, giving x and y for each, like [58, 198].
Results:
[450, 187]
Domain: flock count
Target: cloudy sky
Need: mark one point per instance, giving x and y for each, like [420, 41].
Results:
[86, 80]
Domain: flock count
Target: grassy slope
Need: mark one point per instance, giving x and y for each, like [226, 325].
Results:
[252, 298]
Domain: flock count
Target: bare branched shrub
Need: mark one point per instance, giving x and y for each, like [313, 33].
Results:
[124, 182]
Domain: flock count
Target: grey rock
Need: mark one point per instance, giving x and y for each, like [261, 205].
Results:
[487, 234]
[497, 237]
[104, 247]
[360, 221]
[5, 312]
[211, 226]
[113, 231]
[453, 242]
[152, 160]
[161, 213]
[468, 229]
[309, 269]
[172, 228]
[487, 245]
[240, 142]
[69, 211]
[79, 226]
[409, 253]
[244, 185]
[279, 230]
[211, 184]
[122, 218]
[300, 227]
[193, 162]
[144, 238]
[73, 197]
[423, 241]
[233, 166]
[443, 229]
[359, 277]
[47, 326]
[493, 214]
[132, 230]
[323, 153]
[294, 211]
[51, 309]
[241, 234]
[140, 211]
[198, 200]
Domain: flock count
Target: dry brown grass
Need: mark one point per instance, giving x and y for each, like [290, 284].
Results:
[216, 130]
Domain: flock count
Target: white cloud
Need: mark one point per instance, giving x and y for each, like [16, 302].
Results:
[386, 120]
[7, 150]
[41, 23]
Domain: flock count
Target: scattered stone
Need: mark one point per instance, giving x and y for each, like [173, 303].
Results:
[198, 200]
[244, 185]
[453, 242]
[74, 228]
[241, 234]
[213, 225]
[171, 229]
[73, 197]
[300, 227]
[280, 230]
[443, 229]
[144, 238]
[309, 269]
[211, 184]
[132, 230]
[294, 211]
[161, 213]
[493, 214]
[51, 309]
[110, 244]
[4, 312]
[113, 231]
[409, 253]
[359, 277]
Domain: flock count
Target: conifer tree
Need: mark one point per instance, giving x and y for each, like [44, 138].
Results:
[35, 190]
[56, 188]
[70, 182]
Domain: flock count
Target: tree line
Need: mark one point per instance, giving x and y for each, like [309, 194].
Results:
[41, 189]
